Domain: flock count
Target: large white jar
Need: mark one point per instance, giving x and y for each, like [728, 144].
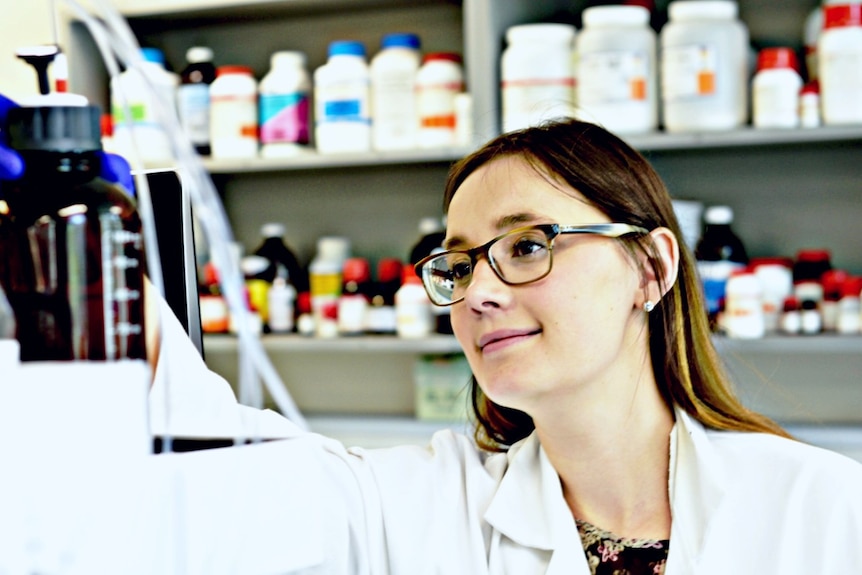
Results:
[393, 101]
[704, 81]
[233, 113]
[617, 77]
[537, 74]
[342, 97]
[839, 56]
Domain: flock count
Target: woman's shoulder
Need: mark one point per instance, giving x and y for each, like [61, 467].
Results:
[782, 456]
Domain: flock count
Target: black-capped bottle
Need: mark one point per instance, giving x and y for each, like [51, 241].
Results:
[432, 232]
[71, 249]
[193, 97]
[431, 236]
[274, 248]
[719, 252]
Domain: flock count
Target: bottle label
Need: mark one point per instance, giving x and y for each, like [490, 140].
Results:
[344, 102]
[193, 103]
[234, 118]
[614, 76]
[284, 118]
[689, 71]
[714, 276]
[528, 102]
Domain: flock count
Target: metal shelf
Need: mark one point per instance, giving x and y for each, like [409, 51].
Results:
[659, 141]
[445, 344]
[744, 137]
[314, 161]
[435, 344]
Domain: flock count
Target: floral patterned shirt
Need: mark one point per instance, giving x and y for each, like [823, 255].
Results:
[608, 554]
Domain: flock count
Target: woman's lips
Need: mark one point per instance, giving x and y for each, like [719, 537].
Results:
[500, 339]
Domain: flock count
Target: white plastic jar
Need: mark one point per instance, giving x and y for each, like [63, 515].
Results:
[233, 113]
[393, 102]
[438, 83]
[743, 312]
[704, 81]
[284, 95]
[138, 90]
[616, 70]
[839, 63]
[775, 89]
[537, 74]
[342, 100]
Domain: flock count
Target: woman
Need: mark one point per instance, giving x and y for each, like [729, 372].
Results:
[608, 439]
[599, 355]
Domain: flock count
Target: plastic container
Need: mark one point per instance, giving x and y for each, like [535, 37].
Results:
[193, 97]
[808, 269]
[137, 91]
[776, 281]
[704, 81]
[775, 89]
[413, 317]
[833, 290]
[342, 100]
[381, 313]
[719, 253]
[849, 308]
[233, 113]
[438, 83]
[537, 74]
[839, 57]
[71, 244]
[809, 105]
[355, 296]
[284, 95]
[281, 303]
[617, 69]
[256, 284]
[743, 315]
[325, 276]
[393, 100]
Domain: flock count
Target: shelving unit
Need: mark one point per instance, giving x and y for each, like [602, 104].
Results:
[791, 189]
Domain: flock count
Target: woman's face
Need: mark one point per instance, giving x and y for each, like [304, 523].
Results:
[572, 336]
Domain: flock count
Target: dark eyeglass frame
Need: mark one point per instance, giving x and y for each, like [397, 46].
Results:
[551, 231]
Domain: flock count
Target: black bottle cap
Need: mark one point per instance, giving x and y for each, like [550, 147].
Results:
[55, 128]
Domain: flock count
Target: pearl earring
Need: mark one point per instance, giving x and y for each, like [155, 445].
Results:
[648, 306]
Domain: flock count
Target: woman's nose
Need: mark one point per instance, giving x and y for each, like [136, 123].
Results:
[486, 288]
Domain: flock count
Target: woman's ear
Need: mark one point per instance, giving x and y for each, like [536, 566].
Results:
[665, 248]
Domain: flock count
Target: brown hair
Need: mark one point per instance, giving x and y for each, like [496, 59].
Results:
[620, 182]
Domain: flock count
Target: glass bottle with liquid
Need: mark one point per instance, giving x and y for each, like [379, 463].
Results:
[71, 248]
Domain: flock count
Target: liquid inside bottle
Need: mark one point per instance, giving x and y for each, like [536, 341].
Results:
[71, 249]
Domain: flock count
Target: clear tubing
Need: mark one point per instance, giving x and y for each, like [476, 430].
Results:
[116, 40]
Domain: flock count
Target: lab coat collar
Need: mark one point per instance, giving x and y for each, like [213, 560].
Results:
[529, 507]
[697, 483]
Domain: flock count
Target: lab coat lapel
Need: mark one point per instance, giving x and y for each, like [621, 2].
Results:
[530, 511]
[696, 488]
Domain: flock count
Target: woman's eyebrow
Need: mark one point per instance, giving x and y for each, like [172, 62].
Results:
[503, 223]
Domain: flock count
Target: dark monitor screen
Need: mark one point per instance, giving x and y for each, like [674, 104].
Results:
[175, 232]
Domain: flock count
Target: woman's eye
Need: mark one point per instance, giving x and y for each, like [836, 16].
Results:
[461, 270]
[525, 247]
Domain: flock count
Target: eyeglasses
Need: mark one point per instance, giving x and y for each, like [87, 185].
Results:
[518, 257]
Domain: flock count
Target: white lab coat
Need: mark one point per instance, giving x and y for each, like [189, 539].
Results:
[741, 503]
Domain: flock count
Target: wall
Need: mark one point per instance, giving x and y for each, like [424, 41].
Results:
[23, 24]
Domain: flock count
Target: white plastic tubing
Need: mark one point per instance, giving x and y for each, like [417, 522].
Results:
[117, 43]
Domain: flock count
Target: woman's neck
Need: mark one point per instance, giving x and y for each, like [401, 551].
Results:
[613, 462]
